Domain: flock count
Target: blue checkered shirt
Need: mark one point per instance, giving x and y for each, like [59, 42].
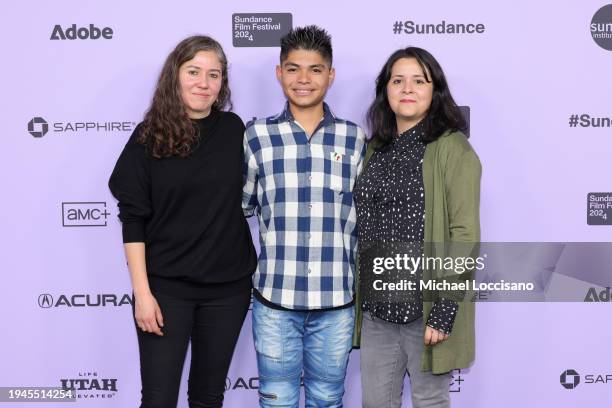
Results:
[301, 189]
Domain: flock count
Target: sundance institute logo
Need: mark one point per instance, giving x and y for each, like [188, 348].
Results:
[601, 27]
[38, 127]
[570, 379]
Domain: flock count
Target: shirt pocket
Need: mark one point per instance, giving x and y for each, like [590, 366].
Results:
[339, 171]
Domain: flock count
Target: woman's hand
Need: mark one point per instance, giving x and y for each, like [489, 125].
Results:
[148, 314]
[433, 336]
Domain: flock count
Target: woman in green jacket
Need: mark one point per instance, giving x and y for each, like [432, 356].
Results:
[418, 194]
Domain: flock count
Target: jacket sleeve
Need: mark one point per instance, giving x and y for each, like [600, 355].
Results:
[130, 184]
[462, 172]
[462, 185]
[442, 315]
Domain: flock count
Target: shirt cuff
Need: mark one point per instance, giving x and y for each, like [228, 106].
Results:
[442, 315]
[133, 232]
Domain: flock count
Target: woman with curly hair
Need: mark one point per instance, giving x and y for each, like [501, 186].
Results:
[178, 183]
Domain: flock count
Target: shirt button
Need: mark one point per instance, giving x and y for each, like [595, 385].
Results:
[309, 205]
[309, 236]
[310, 178]
[309, 270]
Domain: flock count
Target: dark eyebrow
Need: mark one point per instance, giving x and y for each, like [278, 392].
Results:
[198, 68]
[414, 76]
[294, 65]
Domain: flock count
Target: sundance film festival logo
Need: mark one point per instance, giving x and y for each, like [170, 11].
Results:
[90, 385]
[73, 32]
[38, 126]
[570, 379]
[260, 29]
[601, 27]
[599, 209]
[84, 214]
[47, 301]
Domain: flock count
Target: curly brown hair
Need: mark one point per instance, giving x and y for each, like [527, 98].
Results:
[166, 128]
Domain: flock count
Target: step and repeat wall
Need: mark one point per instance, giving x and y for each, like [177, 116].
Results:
[77, 76]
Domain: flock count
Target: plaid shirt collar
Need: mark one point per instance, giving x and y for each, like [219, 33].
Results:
[287, 116]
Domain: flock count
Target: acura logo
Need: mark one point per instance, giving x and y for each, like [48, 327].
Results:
[45, 300]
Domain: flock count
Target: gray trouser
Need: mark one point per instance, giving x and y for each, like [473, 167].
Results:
[388, 350]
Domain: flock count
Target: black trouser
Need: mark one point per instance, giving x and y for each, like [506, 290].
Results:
[213, 326]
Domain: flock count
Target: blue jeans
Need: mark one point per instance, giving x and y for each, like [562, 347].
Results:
[287, 342]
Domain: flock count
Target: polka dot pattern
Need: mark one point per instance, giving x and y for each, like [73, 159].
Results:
[390, 200]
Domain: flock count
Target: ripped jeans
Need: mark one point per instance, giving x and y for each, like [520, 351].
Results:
[289, 342]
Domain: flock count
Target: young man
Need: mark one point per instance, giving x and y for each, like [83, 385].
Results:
[301, 167]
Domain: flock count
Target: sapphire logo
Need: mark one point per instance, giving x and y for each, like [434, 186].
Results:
[570, 379]
[38, 127]
[45, 300]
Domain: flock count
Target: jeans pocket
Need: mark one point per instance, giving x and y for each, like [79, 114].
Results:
[279, 351]
[267, 330]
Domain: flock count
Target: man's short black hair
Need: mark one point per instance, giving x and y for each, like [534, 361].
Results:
[311, 38]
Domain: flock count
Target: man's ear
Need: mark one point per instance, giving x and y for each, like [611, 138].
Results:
[279, 72]
[332, 76]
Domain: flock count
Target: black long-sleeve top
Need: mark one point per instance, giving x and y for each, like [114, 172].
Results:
[188, 211]
[390, 200]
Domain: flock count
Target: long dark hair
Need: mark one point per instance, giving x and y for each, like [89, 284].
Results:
[167, 129]
[443, 114]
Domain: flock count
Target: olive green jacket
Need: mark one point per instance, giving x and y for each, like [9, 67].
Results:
[451, 178]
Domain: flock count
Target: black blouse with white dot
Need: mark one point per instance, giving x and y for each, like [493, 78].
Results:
[390, 200]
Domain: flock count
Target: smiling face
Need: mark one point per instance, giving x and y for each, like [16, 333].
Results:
[305, 77]
[200, 82]
[409, 93]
